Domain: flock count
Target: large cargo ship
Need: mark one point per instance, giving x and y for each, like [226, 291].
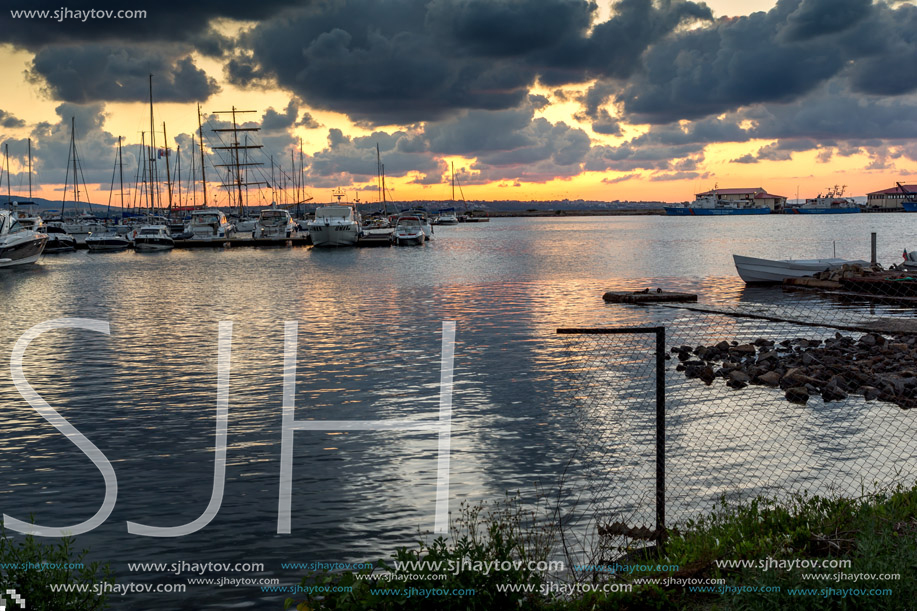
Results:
[713, 203]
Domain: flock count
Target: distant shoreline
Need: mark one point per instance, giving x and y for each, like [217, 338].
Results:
[616, 212]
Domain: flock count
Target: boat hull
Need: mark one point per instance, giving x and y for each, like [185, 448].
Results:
[153, 244]
[822, 210]
[768, 271]
[334, 234]
[909, 206]
[107, 244]
[23, 253]
[714, 211]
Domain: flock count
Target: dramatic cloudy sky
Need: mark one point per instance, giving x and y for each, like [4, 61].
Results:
[529, 99]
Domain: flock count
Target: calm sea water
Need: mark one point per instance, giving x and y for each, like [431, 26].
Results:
[369, 349]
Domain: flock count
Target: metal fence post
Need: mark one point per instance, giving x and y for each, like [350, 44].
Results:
[660, 431]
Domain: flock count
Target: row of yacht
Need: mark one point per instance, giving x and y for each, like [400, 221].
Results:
[24, 235]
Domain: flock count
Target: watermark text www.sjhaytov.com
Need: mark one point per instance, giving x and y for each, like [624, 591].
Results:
[65, 14]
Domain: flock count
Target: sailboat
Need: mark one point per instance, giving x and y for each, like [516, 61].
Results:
[109, 239]
[83, 223]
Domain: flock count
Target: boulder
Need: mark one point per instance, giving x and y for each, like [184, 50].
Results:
[771, 378]
[797, 394]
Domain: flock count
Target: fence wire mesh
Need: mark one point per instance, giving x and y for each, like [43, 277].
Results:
[775, 395]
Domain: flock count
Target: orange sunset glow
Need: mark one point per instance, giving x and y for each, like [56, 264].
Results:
[636, 100]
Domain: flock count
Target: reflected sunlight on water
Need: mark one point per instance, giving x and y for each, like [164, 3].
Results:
[369, 342]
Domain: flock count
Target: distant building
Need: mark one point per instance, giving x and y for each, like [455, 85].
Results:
[762, 197]
[892, 197]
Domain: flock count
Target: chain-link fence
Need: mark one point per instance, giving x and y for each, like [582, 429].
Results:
[776, 394]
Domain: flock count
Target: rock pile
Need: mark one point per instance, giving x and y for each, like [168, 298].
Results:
[873, 366]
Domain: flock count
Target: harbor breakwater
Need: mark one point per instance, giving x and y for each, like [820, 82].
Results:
[873, 366]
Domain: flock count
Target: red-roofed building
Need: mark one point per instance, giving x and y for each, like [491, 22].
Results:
[774, 202]
[892, 197]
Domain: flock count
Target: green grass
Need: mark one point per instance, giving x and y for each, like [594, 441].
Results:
[877, 533]
[33, 584]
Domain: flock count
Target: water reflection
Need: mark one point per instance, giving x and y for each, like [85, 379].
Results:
[369, 341]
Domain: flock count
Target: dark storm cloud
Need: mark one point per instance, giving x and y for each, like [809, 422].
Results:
[165, 20]
[774, 58]
[347, 160]
[501, 28]
[815, 18]
[273, 120]
[8, 119]
[95, 146]
[101, 72]
[410, 60]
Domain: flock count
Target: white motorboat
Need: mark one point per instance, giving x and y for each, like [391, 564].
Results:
[82, 226]
[58, 238]
[108, 241]
[210, 224]
[18, 245]
[153, 237]
[409, 230]
[335, 225]
[760, 271]
[275, 223]
[446, 217]
[421, 215]
[246, 225]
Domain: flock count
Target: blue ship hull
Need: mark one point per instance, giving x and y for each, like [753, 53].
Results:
[910, 206]
[714, 211]
[821, 210]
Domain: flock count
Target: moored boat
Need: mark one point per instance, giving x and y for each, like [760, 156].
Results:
[711, 204]
[210, 224]
[58, 239]
[833, 202]
[18, 245]
[152, 238]
[409, 231]
[336, 225]
[107, 242]
[275, 223]
[760, 271]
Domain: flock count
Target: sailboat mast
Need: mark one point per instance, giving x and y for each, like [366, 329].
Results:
[76, 192]
[302, 177]
[121, 174]
[235, 140]
[178, 157]
[152, 144]
[193, 188]
[379, 177]
[165, 139]
[201, 140]
[453, 183]
[146, 183]
[9, 196]
[30, 169]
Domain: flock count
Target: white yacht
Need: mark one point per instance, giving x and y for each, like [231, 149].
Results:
[58, 238]
[210, 224]
[336, 225]
[18, 245]
[82, 226]
[153, 237]
[275, 223]
[421, 215]
[409, 230]
[446, 217]
[107, 241]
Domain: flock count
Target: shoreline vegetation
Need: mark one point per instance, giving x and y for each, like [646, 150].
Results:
[799, 552]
